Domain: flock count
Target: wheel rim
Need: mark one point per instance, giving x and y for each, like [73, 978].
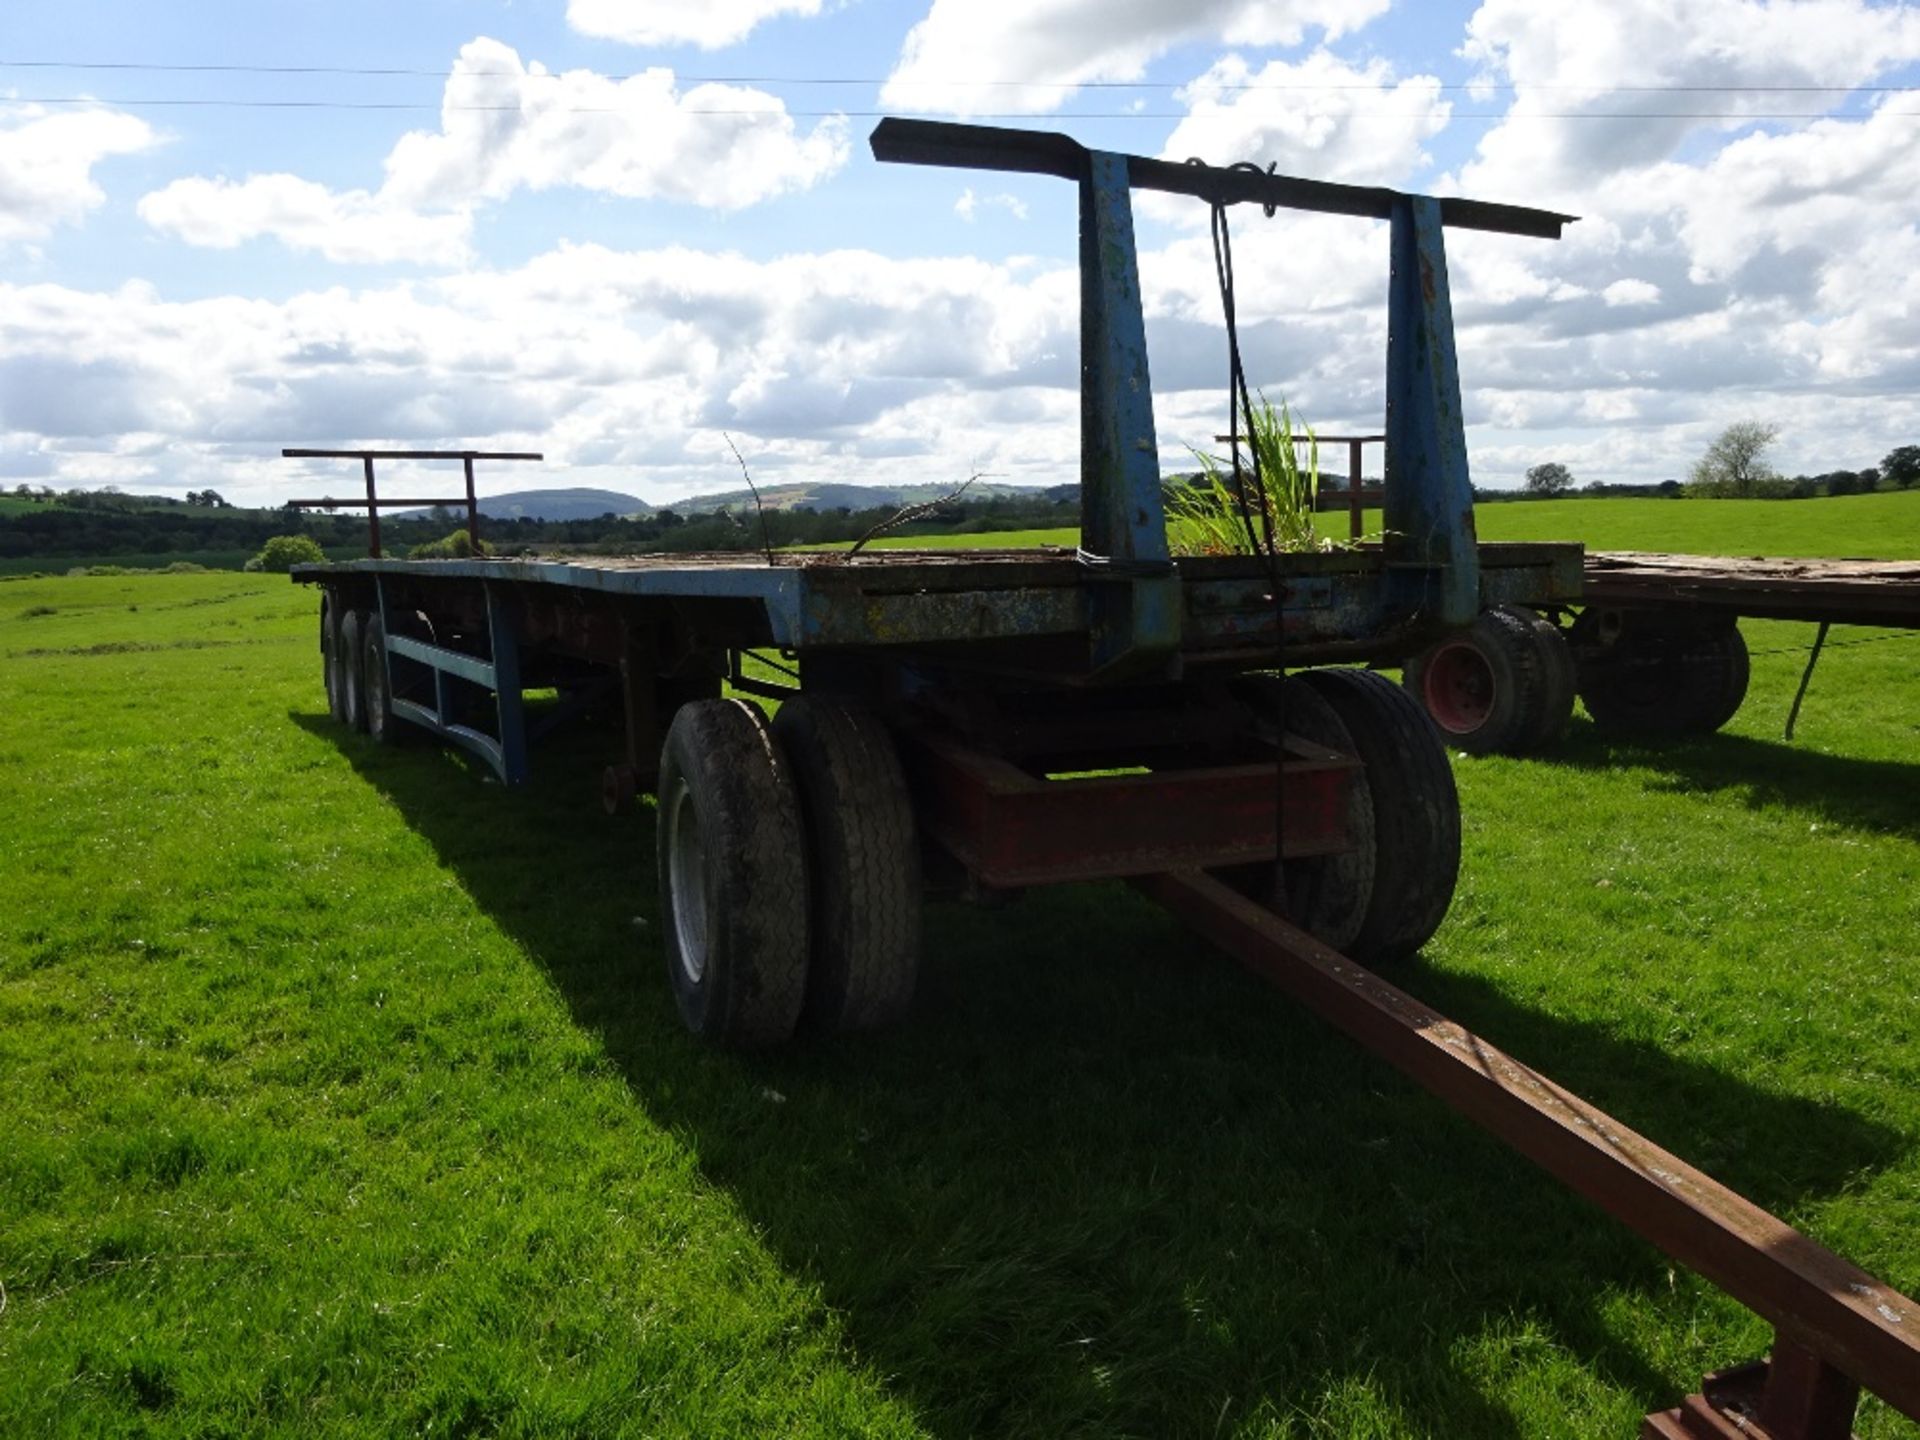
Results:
[687, 881]
[376, 691]
[330, 664]
[1459, 688]
[350, 680]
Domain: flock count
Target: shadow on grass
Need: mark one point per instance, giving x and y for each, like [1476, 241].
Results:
[1877, 795]
[1103, 1182]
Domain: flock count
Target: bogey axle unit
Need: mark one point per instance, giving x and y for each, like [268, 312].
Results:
[1654, 647]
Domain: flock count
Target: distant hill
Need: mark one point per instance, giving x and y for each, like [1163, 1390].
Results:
[577, 504]
[587, 504]
[827, 496]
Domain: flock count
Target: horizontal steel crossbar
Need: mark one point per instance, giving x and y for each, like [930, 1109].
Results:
[478, 741]
[292, 453]
[1012, 829]
[453, 662]
[1817, 1302]
[1042, 152]
[329, 503]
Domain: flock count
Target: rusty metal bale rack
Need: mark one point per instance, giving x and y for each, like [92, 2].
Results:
[373, 504]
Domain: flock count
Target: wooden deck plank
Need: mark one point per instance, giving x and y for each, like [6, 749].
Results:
[1847, 591]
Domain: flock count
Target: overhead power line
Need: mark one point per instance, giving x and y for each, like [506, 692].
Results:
[782, 113]
[387, 71]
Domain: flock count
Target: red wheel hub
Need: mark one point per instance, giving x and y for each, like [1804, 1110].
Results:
[1458, 688]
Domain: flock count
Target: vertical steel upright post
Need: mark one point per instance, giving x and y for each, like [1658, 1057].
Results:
[1356, 502]
[509, 702]
[1429, 499]
[473, 506]
[386, 629]
[373, 510]
[1123, 522]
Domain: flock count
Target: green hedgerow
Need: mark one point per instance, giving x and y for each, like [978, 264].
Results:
[281, 553]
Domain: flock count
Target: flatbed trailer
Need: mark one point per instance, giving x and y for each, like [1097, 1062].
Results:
[988, 721]
[1838, 592]
[1653, 645]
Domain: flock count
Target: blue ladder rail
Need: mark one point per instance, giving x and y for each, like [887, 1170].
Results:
[505, 750]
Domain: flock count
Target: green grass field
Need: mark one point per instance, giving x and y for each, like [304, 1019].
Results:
[154, 560]
[343, 1093]
[1885, 527]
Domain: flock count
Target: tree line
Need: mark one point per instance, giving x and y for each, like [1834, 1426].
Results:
[102, 524]
[1736, 466]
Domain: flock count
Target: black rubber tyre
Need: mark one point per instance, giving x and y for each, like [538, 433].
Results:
[863, 860]
[1327, 895]
[1724, 669]
[1484, 688]
[383, 725]
[1416, 811]
[330, 664]
[352, 682]
[1655, 682]
[1558, 683]
[733, 876]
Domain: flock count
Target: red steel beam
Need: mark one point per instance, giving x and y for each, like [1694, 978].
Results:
[373, 505]
[294, 453]
[1011, 829]
[1831, 1317]
[383, 503]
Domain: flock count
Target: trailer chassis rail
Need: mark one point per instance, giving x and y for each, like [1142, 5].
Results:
[1836, 1328]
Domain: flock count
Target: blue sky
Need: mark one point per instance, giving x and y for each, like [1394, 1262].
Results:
[607, 269]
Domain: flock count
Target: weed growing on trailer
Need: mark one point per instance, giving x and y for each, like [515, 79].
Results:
[1212, 515]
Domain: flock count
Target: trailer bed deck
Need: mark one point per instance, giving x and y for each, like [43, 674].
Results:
[1840, 592]
[913, 598]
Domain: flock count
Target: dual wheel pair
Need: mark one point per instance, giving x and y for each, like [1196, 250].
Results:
[1383, 898]
[1505, 685]
[1650, 674]
[789, 872]
[353, 655]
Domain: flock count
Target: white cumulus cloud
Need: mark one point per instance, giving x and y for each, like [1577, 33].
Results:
[969, 205]
[46, 166]
[1043, 49]
[1706, 65]
[505, 127]
[350, 226]
[708, 24]
[1320, 117]
[1710, 277]
[1631, 292]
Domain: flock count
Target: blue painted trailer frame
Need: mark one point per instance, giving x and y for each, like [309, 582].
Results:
[1122, 609]
[1430, 552]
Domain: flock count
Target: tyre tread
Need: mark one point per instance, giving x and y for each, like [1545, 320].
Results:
[865, 863]
[1416, 811]
[1554, 702]
[353, 689]
[757, 924]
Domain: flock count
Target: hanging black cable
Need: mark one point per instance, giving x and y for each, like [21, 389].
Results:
[1263, 543]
